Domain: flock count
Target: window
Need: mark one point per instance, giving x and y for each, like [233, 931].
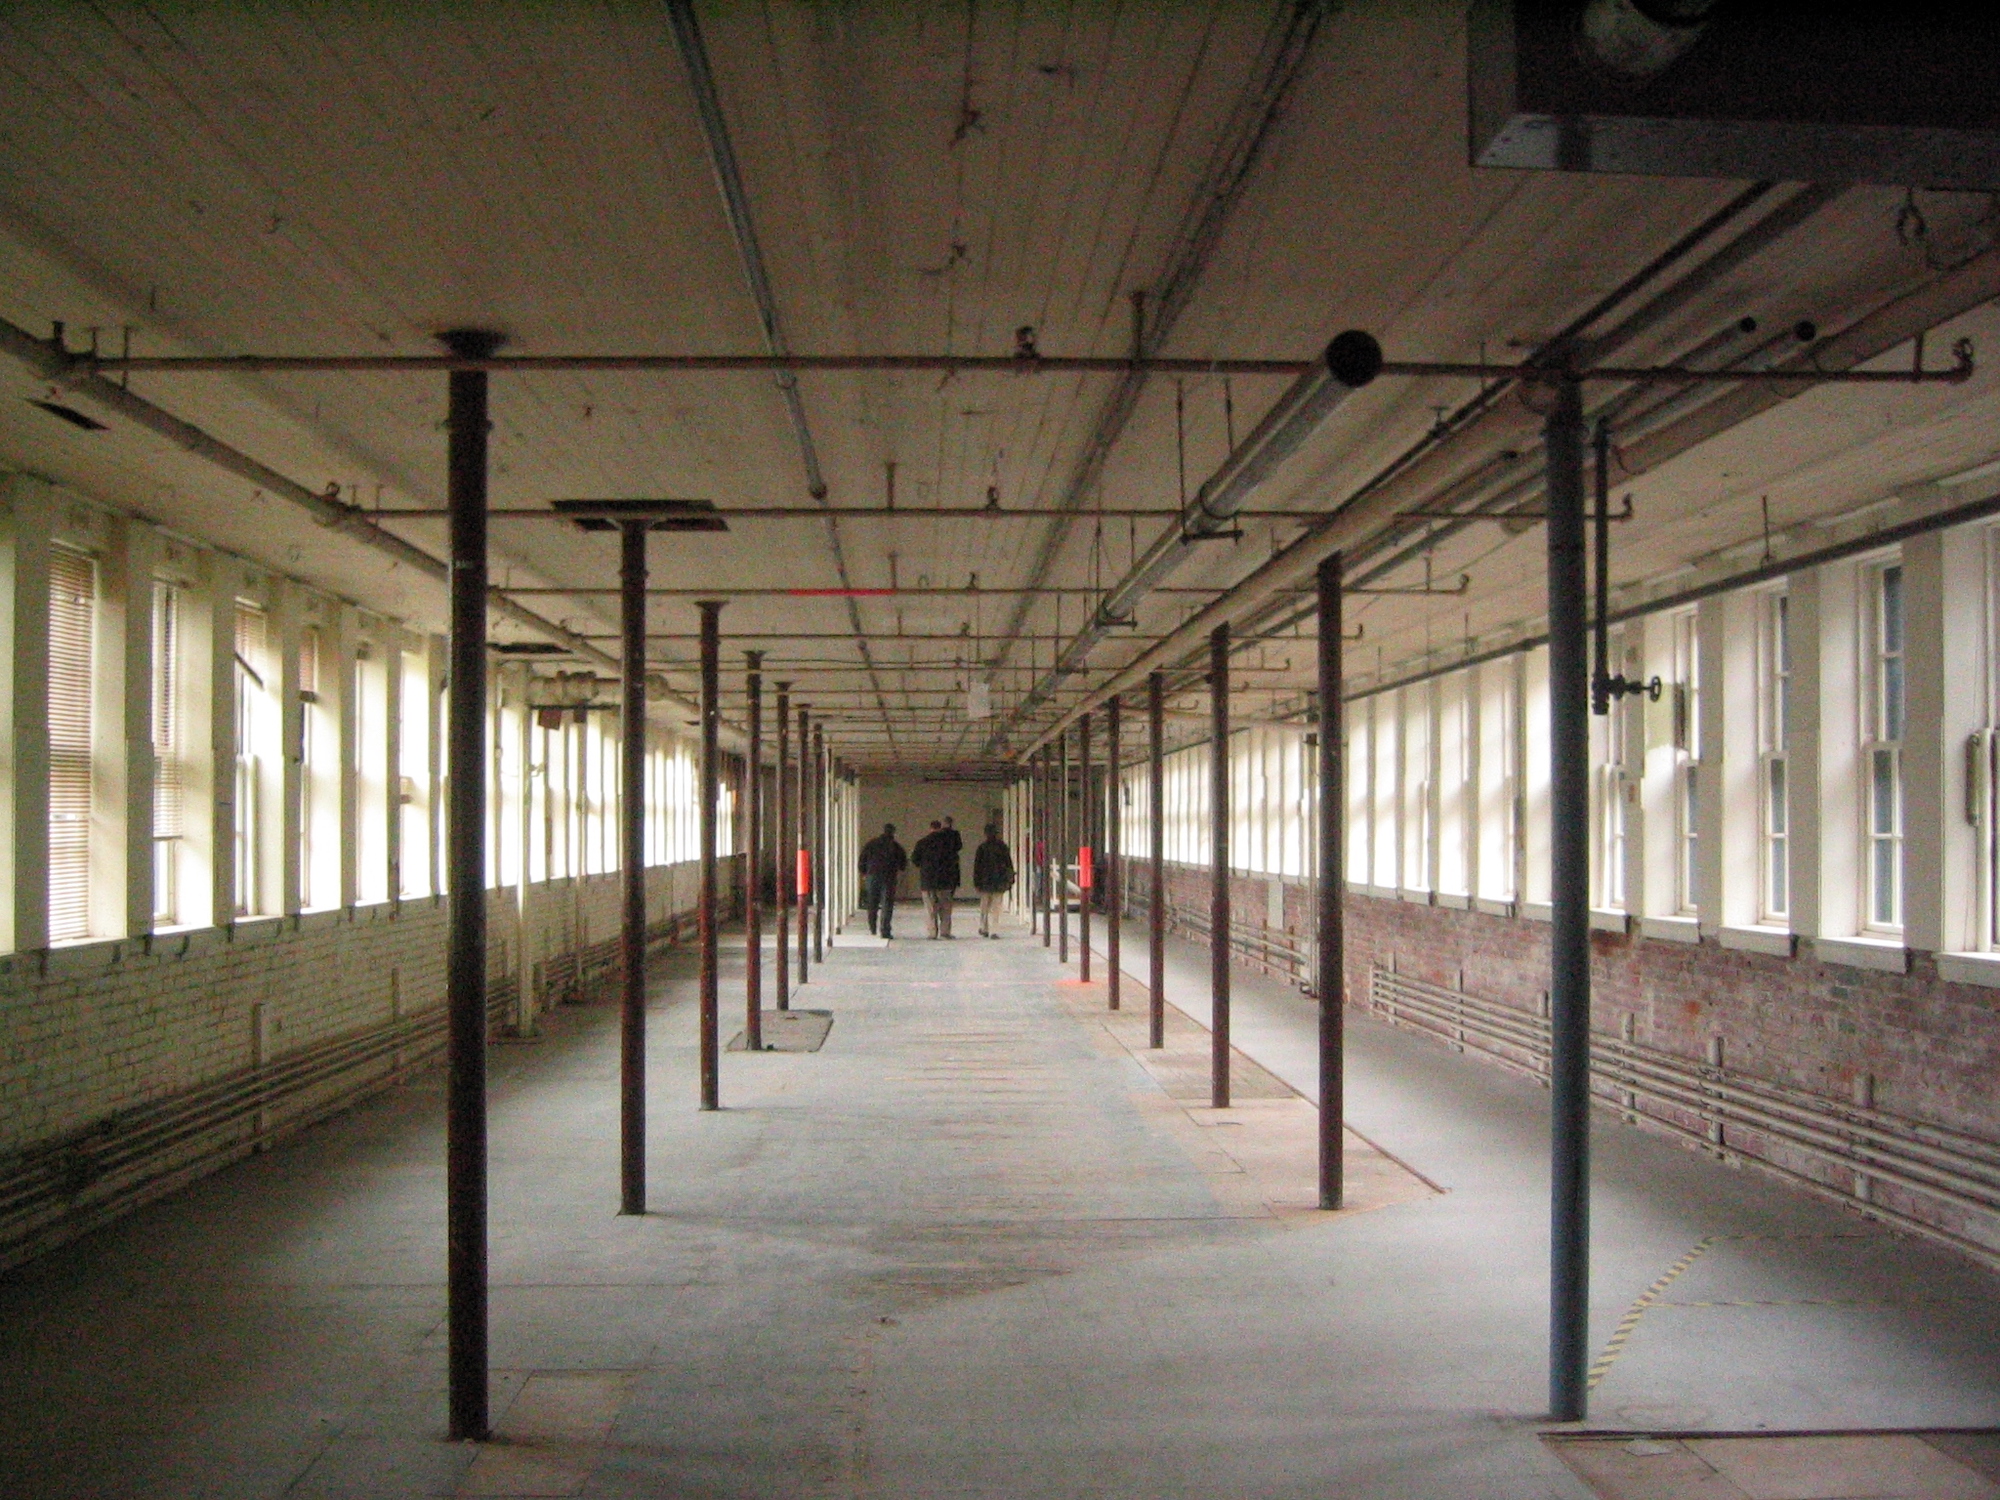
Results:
[1687, 759]
[319, 786]
[253, 700]
[1774, 685]
[72, 647]
[1608, 734]
[169, 769]
[1882, 747]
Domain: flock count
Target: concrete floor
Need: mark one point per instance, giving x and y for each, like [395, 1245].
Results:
[970, 1248]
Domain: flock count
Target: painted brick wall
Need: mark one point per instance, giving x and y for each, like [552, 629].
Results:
[89, 1031]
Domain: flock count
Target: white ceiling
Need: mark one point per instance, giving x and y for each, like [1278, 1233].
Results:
[350, 178]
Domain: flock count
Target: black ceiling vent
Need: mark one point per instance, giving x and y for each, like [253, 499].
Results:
[1828, 91]
[659, 515]
[527, 648]
[70, 415]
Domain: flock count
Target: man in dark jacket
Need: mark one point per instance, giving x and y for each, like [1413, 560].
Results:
[993, 878]
[882, 860]
[936, 859]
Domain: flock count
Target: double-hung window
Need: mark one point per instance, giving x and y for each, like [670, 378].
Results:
[169, 755]
[72, 783]
[1774, 686]
[1608, 731]
[1882, 748]
[253, 675]
[1687, 759]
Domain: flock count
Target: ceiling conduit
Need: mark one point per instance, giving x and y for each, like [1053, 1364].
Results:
[73, 373]
[1446, 439]
[736, 205]
[1375, 507]
[1352, 361]
[1257, 112]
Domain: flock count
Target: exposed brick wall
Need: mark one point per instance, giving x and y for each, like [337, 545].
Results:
[1921, 1047]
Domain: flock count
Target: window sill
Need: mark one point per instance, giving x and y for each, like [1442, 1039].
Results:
[1885, 955]
[1605, 919]
[1970, 968]
[1778, 941]
[1671, 929]
[1454, 901]
[1493, 908]
[1538, 911]
[1414, 897]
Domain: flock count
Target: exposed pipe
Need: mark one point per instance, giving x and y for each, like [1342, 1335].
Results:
[1287, 45]
[1376, 504]
[1352, 361]
[73, 373]
[743, 227]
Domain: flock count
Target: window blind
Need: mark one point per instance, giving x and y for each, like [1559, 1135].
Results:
[72, 641]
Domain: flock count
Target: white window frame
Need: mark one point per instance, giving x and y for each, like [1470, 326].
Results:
[1884, 641]
[1773, 687]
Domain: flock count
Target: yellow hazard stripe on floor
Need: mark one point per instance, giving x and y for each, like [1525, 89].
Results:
[1637, 1310]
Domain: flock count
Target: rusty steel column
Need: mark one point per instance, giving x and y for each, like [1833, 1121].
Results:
[1218, 870]
[807, 878]
[1569, 917]
[1086, 853]
[1114, 854]
[1331, 942]
[711, 790]
[781, 850]
[632, 868]
[818, 846]
[753, 842]
[1156, 815]
[1044, 837]
[1062, 844]
[465, 880]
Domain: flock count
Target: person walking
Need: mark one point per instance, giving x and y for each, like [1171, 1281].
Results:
[993, 878]
[936, 859]
[882, 861]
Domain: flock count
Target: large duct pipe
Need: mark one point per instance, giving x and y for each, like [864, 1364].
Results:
[1362, 518]
[1351, 361]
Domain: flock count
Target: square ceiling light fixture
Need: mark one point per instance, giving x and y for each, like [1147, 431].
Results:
[659, 515]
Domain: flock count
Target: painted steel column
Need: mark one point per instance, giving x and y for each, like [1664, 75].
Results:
[1044, 842]
[465, 866]
[1086, 853]
[1331, 980]
[1062, 843]
[1218, 872]
[711, 790]
[1114, 853]
[1569, 928]
[808, 880]
[753, 841]
[1156, 813]
[819, 842]
[781, 849]
[632, 869]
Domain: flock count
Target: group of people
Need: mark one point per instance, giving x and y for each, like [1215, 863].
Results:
[936, 856]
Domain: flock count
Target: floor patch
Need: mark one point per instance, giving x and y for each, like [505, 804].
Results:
[1784, 1466]
[552, 1436]
[790, 1031]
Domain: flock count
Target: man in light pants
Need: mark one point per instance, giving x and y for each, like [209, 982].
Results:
[993, 878]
